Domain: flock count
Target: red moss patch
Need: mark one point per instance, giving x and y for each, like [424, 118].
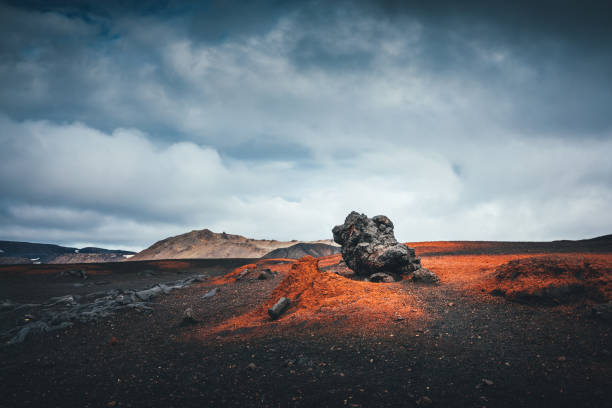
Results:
[279, 265]
[320, 298]
[555, 279]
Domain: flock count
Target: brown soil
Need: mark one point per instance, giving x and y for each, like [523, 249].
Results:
[341, 343]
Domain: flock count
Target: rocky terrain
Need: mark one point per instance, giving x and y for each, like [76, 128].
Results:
[302, 249]
[208, 339]
[13, 252]
[207, 244]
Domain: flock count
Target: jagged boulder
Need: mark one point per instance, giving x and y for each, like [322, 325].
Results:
[369, 247]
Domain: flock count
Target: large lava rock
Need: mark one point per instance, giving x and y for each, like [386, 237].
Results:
[369, 246]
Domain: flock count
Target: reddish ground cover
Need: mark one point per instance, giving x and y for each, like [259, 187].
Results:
[277, 265]
[319, 296]
[322, 297]
[534, 272]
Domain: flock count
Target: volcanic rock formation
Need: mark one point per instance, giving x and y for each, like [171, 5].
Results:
[369, 247]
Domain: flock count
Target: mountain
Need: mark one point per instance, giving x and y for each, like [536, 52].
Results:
[14, 252]
[207, 244]
[297, 251]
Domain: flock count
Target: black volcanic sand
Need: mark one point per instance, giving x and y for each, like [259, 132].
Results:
[37, 283]
[479, 351]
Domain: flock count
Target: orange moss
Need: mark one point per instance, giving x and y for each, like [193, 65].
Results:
[466, 270]
[280, 265]
[591, 274]
[319, 298]
[478, 272]
[425, 248]
[329, 260]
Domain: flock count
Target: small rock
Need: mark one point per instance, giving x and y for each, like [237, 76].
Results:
[265, 274]
[381, 277]
[561, 358]
[210, 293]
[113, 341]
[424, 401]
[278, 308]
[251, 366]
[188, 317]
[424, 275]
[242, 274]
[486, 381]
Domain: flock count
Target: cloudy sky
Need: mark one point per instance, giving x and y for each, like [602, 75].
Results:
[123, 124]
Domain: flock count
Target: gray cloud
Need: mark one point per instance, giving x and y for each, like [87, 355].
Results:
[123, 124]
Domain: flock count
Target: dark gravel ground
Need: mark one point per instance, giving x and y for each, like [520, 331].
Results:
[466, 351]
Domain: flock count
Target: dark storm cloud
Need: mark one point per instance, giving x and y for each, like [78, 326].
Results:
[131, 121]
[562, 48]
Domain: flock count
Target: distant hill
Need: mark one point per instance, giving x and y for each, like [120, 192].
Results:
[300, 250]
[14, 252]
[603, 238]
[207, 244]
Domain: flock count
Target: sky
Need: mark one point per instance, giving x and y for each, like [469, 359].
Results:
[125, 122]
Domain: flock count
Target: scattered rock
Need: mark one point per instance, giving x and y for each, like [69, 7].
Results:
[251, 366]
[425, 276]
[61, 312]
[188, 317]
[424, 401]
[63, 300]
[381, 277]
[265, 274]
[149, 293]
[278, 308]
[243, 274]
[210, 293]
[369, 246]
[487, 382]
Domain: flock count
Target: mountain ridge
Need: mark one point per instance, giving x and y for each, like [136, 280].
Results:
[19, 252]
[208, 244]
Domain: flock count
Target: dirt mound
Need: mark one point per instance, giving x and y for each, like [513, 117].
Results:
[322, 298]
[554, 280]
